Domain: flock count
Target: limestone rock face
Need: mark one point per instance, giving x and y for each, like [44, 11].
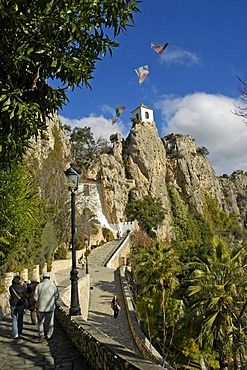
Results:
[144, 163]
[235, 194]
[44, 144]
[135, 168]
[191, 172]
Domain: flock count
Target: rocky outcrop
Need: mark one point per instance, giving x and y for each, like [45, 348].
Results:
[190, 171]
[144, 163]
[45, 143]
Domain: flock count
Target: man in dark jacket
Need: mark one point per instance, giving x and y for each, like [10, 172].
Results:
[17, 306]
[32, 304]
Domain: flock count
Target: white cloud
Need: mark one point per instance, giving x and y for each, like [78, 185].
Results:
[100, 126]
[179, 56]
[209, 119]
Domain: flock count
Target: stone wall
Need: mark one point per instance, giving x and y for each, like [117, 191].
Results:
[119, 257]
[83, 291]
[58, 265]
[102, 352]
[25, 275]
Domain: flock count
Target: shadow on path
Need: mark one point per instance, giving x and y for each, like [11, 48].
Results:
[28, 353]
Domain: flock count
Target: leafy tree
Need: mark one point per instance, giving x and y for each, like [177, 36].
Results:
[140, 239]
[50, 39]
[87, 225]
[21, 217]
[222, 224]
[203, 151]
[84, 149]
[155, 269]
[147, 211]
[193, 233]
[217, 300]
[151, 323]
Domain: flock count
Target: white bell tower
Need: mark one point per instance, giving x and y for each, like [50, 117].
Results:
[143, 113]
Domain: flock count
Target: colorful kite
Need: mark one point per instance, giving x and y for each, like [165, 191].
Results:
[119, 111]
[159, 48]
[142, 73]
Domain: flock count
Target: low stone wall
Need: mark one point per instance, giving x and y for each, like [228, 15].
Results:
[83, 292]
[119, 257]
[58, 265]
[4, 303]
[142, 342]
[101, 351]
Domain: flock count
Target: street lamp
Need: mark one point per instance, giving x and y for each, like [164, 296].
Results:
[87, 245]
[72, 178]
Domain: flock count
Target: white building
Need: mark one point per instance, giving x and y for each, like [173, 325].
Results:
[143, 113]
[89, 196]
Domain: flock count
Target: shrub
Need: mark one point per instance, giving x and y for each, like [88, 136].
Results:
[107, 234]
[61, 253]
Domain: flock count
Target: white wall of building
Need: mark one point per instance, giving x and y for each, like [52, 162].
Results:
[89, 195]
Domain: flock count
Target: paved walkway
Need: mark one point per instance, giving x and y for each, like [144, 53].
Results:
[28, 353]
[104, 282]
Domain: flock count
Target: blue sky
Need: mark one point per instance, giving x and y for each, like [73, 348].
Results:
[192, 86]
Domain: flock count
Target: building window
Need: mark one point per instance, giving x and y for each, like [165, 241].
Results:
[86, 190]
[146, 115]
[137, 115]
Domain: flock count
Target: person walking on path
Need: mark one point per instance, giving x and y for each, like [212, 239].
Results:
[17, 306]
[81, 261]
[32, 304]
[115, 305]
[46, 293]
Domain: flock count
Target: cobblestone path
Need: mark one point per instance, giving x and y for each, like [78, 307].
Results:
[104, 282]
[28, 353]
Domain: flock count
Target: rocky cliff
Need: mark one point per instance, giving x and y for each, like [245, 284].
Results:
[144, 164]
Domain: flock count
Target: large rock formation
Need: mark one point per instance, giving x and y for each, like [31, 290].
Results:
[144, 163]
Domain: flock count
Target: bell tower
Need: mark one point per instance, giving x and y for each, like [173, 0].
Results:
[143, 113]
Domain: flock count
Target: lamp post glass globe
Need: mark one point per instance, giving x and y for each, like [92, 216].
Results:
[72, 178]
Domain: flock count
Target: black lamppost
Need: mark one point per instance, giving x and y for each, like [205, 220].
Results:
[72, 178]
[87, 245]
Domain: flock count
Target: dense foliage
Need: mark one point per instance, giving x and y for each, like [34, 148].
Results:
[44, 40]
[147, 211]
[44, 44]
[191, 293]
[34, 206]
[84, 148]
[193, 313]
[21, 217]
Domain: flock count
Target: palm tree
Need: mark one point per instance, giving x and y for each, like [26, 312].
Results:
[156, 268]
[217, 298]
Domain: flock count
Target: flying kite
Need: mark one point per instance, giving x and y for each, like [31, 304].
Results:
[142, 73]
[119, 111]
[159, 48]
